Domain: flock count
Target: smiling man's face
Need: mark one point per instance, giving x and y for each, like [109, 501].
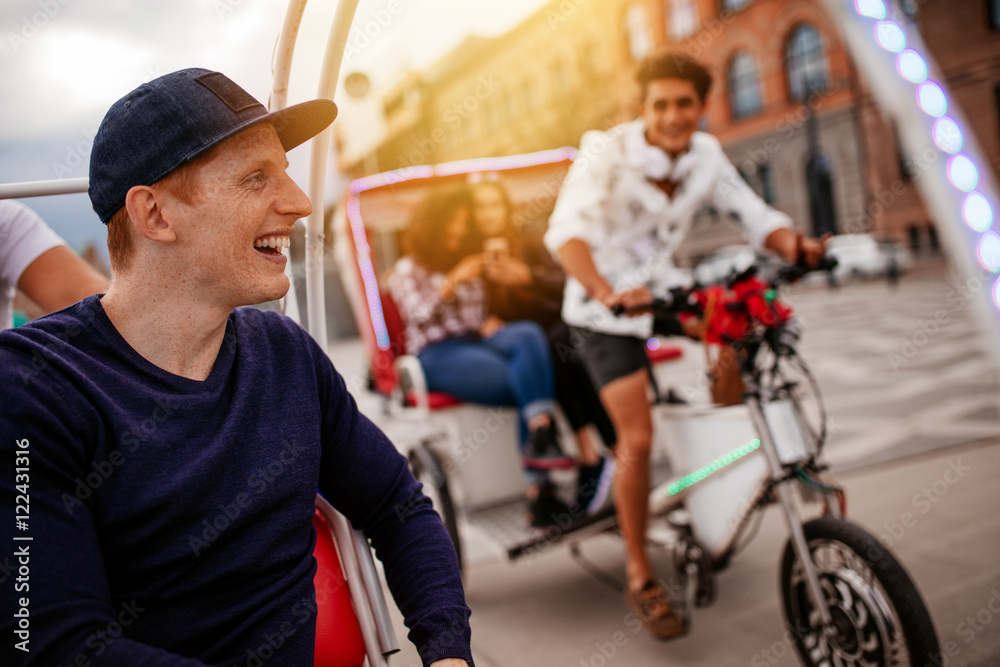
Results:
[671, 110]
[244, 212]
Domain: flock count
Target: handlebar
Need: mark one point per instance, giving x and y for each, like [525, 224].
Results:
[684, 300]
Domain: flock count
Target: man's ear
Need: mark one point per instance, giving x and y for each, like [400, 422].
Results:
[145, 208]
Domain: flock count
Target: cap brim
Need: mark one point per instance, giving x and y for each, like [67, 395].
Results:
[301, 122]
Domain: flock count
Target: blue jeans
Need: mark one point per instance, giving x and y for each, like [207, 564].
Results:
[511, 368]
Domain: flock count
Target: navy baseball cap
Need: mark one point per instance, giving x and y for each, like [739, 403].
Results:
[164, 123]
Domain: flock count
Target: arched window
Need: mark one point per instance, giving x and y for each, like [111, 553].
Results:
[640, 42]
[805, 62]
[682, 18]
[743, 86]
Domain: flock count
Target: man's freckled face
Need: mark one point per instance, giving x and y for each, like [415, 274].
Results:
[243, 194]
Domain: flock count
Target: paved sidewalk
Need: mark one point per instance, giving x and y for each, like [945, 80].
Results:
[906, 408]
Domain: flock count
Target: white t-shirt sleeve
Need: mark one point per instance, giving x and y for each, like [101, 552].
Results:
[579, 208]
[737, 200]
[23, 238]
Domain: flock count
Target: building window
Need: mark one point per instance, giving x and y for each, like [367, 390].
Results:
[743, 86]
[733, 5]
[993, 7]
[640, 42]
[805, 63]
[766, 184]
[682, 19]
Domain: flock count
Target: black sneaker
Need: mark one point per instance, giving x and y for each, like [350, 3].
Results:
[543, 450]
[593, 487]
[547, 510]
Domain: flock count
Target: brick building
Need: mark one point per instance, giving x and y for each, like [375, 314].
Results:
[786, 101]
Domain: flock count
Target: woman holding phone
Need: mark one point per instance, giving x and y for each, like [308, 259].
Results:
[523, 282]
[439, 291]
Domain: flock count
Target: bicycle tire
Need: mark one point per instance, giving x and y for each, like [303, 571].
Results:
[426, 466]
[894, 614]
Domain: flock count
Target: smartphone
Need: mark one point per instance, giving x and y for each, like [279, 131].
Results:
[495, 249]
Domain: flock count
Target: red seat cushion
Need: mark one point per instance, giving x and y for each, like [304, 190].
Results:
[664, 353]
[339, 642]
[435, 400]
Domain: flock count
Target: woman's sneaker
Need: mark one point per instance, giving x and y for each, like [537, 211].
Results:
[543, 451]
[547, 510]
[593, 487]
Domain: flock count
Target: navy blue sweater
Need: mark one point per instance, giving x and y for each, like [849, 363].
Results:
[171, 519]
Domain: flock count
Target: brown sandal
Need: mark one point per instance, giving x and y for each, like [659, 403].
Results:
[652, 607]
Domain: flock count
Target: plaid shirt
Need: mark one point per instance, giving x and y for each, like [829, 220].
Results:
[428, 317]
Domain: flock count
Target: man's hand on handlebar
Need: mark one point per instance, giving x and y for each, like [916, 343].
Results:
[811, 250]
[796, 247]
[637, 296]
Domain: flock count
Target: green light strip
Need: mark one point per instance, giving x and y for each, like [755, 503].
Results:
[713, 467]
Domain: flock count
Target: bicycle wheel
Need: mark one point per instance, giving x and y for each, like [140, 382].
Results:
[878, 615]
[427, 468]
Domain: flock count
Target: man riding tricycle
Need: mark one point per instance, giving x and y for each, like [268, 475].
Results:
[626, 203]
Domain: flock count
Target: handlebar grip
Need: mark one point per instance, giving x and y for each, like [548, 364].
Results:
[827, 263]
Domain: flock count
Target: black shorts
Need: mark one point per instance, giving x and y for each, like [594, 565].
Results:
[608, 357]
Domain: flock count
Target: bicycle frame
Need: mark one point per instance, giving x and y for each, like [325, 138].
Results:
[747, 478]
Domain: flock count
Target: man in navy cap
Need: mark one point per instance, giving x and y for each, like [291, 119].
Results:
[167, 445]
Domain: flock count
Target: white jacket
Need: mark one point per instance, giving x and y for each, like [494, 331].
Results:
[633, 228]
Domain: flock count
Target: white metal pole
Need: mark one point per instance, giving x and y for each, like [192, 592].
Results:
[281, 72]
[59, 186]
[958, 185]
[284, 50]
[315, 294]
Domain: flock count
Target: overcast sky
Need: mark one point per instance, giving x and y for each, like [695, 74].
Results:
[64, 62]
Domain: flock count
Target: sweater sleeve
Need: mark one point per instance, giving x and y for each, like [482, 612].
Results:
[55, 602]
[367, 480]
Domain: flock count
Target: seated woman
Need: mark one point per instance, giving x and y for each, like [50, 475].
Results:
[524, 282]
[439, 291]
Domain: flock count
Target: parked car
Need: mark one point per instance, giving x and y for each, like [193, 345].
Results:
[863, 256]
[716, 267]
